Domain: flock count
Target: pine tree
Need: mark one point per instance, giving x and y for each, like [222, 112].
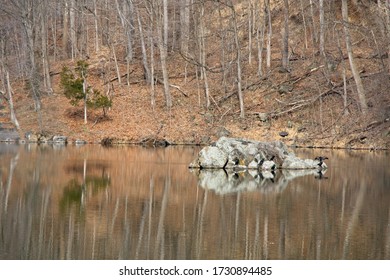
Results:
[75, 88]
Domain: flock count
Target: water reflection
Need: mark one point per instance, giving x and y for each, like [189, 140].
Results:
[75, 190]
[141, 203]
[224, 182]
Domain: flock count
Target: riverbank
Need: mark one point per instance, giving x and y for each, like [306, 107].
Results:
[130, 121]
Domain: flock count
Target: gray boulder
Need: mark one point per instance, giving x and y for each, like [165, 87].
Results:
[293, 162]
[268, 165]
[59, 139]
[8, 134]
[79, 142]
[211, 157]
[241, 154]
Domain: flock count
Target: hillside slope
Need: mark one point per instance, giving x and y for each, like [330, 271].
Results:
[311, 100]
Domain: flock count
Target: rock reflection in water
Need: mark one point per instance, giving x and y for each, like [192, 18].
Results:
[138, 203]
[223, 182]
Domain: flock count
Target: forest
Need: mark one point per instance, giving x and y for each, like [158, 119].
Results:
[312, 73]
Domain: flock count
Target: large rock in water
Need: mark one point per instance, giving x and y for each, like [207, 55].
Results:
[240, 154]
[212, 157]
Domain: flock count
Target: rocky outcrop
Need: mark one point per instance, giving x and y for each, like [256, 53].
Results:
[242, 154]
[43, 138]
[8, 135]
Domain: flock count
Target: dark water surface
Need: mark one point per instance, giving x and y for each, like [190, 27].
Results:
[126, 202]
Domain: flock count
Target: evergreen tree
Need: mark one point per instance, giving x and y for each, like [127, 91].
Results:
[75, 88]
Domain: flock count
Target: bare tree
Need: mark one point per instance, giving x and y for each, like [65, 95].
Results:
[65, 29]
[96, 21]
[126, 14]
[322, 27]
[238, 61]
[223, 51]
[269, 34]
[150, 29]
[285, 58]
[185, 30]
[13, 118]
[83, 73]
[162, 31]
[313, 25]
[105, 24]
[143, 47]
[251, 20]
[72, 20]
[260, 30]
[165, 23]
[355, 72]
[26, 13]
[388, 32]
[44, 44]
[184, 25]
[202, 53]
[4, 74]
[304, 23]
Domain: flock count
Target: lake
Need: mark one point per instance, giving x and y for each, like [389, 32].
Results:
[131, 202]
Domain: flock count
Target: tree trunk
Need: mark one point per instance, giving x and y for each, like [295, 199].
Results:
[185, 31]
[65, 30]
[143, 48]
[173, 28]
[260, 39]
[6, 82]
[285, 58]
[126, 15]
[72, 19]
[105, 23]
[152, 93]
[322, 26]
[202, 54]
[304, 23]
[33, 72]
[250, 31]
[223, 51]
[13, 118]
[85, 99]
[238, 62]
[97, 47]
[162, 39]
[314, 29]
[355, 71]
[53, 21]
[345, 92]
[151, 42]
[118, 73]
[269, 35]
[45, 58]
[82, 33]
[388, 32]
[184, 25]
[165, 24]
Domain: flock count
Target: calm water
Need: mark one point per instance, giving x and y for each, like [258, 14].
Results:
[92, 202]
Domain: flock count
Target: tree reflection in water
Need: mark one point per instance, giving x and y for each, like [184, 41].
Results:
[143, 203]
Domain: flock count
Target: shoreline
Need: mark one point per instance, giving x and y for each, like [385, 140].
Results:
[162, 143]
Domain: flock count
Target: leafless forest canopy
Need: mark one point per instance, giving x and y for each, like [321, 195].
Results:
[312, 67]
